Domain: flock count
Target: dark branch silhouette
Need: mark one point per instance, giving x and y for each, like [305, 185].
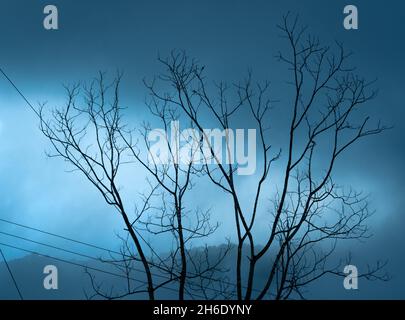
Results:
[310, 208]
[311, 212]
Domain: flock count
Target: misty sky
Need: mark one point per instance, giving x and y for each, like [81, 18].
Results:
[229, 37]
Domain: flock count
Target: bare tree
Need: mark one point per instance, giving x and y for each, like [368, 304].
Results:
[98, 158]
[311, 212]
[174, 180]
[310, 209]
[90, 135]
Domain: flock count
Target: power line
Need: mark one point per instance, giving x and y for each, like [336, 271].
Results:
[98, 247]
[12, 276]
[76, 264]
[67, 261]
[101, 248]
[45, 232]
[76, 253]
[62, 237]
[19, 92]
[90, 257]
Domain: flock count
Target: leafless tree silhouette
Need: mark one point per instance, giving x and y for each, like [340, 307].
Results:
[174, 179]
[310, 209]
[89, 134]
[310, 212]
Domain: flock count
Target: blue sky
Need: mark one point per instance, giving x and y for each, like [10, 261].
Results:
[229, 37]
